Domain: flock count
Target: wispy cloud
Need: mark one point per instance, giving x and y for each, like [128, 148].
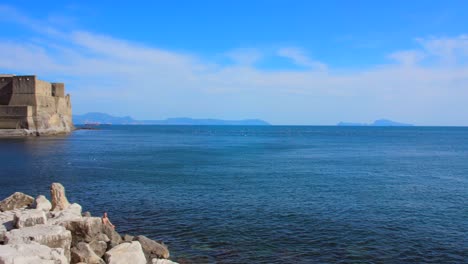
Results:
[299, 57]
[427, 85]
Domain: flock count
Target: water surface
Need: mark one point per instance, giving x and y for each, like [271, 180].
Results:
[219, 194]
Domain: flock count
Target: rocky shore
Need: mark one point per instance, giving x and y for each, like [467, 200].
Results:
[39, 231]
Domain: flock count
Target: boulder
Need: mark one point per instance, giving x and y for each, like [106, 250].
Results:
[72, 213]
[86, 214]
[16, 201]
[114, 237]
[7, 222]
[41, 203]
[31, 254]
[127, 238]
[162, 261]
[99, 247]
[152, 249]
[83, 253]
[28, 218]
[51, 236]
[84, 229]
[59, 199]
[126, 253]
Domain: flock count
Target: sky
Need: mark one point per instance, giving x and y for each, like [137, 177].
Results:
[286, 62]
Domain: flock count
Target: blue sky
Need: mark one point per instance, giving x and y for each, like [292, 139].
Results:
[288, 62]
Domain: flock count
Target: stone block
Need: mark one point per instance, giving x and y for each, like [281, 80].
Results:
[15, 201]
[126, 253]
[31, 254]
[30, 217]
[51, 236]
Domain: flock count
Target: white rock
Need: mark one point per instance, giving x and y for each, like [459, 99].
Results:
[72, 213]
[30, 218]
[51, 236]
[7, 222]
[162, 261]
[42, 203]
[31, 254]
[126, 253]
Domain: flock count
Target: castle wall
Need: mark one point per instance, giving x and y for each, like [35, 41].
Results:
[43, 88]
[23, 90]
[16, 117]
[6, 90]
[29, 103]
[58, 89]
[24, 84]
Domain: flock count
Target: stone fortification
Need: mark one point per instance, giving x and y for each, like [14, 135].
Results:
[29, 106]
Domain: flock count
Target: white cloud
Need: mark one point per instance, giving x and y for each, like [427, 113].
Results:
[245, 57]
[122, 77]
[408, 57]
[448, 49]
[299, 57]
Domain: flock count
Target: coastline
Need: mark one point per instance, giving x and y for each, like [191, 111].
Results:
[36, 230]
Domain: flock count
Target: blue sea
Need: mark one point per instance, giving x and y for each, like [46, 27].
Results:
[273, 194]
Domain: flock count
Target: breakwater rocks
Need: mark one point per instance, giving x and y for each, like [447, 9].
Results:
[39, 231]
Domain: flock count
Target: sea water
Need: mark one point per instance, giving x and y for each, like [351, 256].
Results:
[273, 194]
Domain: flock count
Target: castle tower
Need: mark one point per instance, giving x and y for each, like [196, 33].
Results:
[33, 106]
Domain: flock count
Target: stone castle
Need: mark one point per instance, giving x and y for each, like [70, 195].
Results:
[29, 106]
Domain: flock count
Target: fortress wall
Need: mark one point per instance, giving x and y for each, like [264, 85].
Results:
[4, 81]
[24, 84]
[29, 103]
[43, 88]
[46, 102]
[15, 117]
[58, 89]
[63, 105]
[23, 99]
[23, 90]
[12, 111]
[6, 89]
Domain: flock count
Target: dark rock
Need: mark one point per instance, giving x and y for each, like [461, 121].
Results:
[86, 229]
[82, 252]
[114, 237]
[99, 247]
[16, 201]
[152, 249]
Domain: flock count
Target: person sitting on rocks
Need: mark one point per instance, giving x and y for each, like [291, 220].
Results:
[106, 221]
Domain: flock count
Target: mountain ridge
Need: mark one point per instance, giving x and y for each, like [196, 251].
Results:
[106, 119]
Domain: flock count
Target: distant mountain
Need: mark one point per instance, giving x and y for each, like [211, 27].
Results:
[380, 122]
[102, 118]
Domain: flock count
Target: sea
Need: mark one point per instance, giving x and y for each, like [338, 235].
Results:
[263, 194]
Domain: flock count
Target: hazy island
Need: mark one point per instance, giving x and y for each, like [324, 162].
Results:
[106, 119]
[376, 123]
